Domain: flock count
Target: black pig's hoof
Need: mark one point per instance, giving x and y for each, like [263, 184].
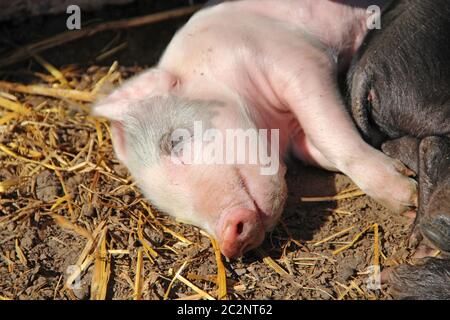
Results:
[415, 238]
[429, 280]
[437, 231]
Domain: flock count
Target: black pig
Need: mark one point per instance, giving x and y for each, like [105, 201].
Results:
[399, 92]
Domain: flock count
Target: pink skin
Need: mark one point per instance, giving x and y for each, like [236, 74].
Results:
[243, 230]
[237, 204]
[279, 58]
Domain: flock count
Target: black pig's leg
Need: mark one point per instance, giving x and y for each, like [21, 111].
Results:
[405, 149]
[430, 159]
[429, 280]
[434, 184]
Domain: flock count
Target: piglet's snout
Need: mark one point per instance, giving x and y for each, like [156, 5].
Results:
[242, 230]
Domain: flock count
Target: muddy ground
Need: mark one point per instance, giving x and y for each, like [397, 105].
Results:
[314, 272]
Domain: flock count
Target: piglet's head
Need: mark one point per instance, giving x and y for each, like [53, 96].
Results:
[178, 150]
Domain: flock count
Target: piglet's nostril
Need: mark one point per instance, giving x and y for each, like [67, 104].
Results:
[243, 230]
[239, 228]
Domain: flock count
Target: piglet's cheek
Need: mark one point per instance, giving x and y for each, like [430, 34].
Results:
[175, 170]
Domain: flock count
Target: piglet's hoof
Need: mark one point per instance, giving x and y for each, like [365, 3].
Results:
[413, 186]
[437, 231]
[387, 181]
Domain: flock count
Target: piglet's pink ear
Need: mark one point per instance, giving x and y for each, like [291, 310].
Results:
[148, 83]
[118, 139]
[119, 102]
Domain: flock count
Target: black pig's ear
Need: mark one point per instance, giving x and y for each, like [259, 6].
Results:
[120, 102]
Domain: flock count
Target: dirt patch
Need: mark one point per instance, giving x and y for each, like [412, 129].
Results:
[38, 250]
[47, 186]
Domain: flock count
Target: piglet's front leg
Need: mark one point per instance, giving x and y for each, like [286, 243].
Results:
[313, 97]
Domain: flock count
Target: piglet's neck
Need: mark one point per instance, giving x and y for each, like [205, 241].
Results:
[262, 118]
[204, 89]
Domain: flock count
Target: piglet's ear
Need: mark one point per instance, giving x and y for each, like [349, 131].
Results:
[118, 139]
[119, 103]
[148, 83]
